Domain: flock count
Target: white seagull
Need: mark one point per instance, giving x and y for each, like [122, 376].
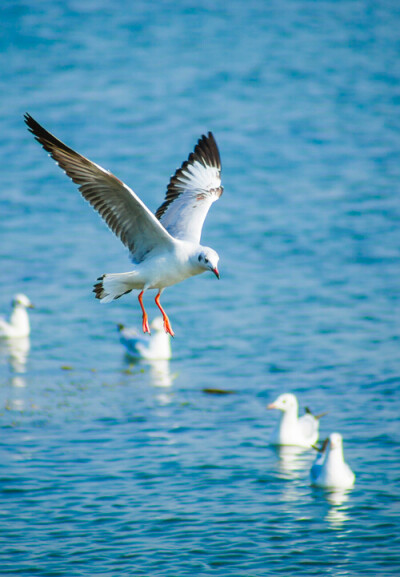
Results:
[292, 430]
[164, 247]
[156, 346]
[19, 320]
[333, 472]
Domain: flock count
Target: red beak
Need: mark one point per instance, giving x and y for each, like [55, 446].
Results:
[215, 271]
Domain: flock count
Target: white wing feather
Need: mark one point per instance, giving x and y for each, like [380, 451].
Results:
[191, 192]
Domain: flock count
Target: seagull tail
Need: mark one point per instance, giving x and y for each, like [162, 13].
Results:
[111, 287]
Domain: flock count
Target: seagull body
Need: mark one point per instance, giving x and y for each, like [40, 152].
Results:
[165, 248]
[333, 472]
[156, 346]
[292, 430]
[18, 326]
[164, 269]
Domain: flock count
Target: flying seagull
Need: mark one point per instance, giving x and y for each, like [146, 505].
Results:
[165, 248]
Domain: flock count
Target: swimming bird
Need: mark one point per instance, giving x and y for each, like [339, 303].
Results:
[333, 472]
[292, 430]
[165, 248]
[18, 326]
[156, 346]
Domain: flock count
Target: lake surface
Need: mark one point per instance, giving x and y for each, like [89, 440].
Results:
[108, 468]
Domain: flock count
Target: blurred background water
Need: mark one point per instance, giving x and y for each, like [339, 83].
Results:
[112, 469]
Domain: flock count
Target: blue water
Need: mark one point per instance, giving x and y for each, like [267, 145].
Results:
[112, 469]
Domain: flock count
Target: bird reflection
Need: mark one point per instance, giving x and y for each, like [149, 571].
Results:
[337, 514]
[18, 382]
[16, 352]
[160, 374]
[158, 371]
[292, 461]
[337, 501]
[337, 497]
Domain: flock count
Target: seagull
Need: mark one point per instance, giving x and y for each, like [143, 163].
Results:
[165, 248]
[333, 472]
[19, 320]
[292, 430]
[154, 347]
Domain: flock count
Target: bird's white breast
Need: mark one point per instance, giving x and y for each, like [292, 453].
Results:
[169, 268]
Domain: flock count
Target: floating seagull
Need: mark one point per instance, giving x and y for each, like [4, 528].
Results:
[332, 471]
[156, 346]
[165, 247]
[292, 430]
[19, 321]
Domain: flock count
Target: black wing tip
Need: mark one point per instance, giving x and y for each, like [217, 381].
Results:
[49, 142]
[207, 149]
[206, 152]
[31, 123]
[209, 137]
[35, 128]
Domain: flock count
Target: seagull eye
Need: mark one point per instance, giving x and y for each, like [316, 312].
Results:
[206, 260]
[199, 257]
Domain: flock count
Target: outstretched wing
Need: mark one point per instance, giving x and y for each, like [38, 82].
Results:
[123, 211]
[191, 191]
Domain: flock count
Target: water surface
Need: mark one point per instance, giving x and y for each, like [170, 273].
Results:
[112, 469]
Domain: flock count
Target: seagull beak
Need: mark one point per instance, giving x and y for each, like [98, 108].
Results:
[31, 306]
[271, 406]
[215, 271]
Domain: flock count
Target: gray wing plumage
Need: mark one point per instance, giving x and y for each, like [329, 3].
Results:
[191, 191]
[123, 211]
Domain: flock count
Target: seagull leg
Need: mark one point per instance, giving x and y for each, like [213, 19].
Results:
[145, 321]
[167, 324]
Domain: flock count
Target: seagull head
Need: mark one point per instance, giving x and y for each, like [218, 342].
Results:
[22, 300]
[208, 260]
[284, 403]
[335, 441]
